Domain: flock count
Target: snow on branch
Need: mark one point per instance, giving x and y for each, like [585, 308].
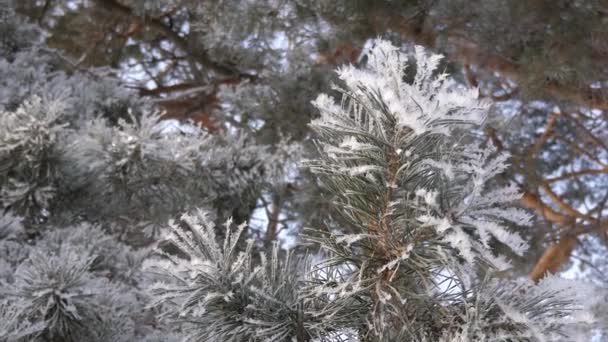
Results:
[418, 199]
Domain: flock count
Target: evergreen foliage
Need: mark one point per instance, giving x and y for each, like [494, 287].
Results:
[95, 245]
[220, 294]
[256, 64]
[419, 202]
[88, 175]
[415, 260]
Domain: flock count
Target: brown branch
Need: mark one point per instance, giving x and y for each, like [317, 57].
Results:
[344, 53]
[196, 109]
[546, 134]
[590, 134]
[598, 227]
[200, 55]
[133, 29]
[471, 78]
[578, 149]
[273, 222]
[533, 202]
[273, 219]
[491, 133]
[554, 257]
[558, 253]
[577, 174]
[562, 204]
[167, 89]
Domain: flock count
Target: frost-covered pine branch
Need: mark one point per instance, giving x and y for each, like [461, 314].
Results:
[73, 284]
[217, 292]
[139, 170]
[416, 200]
[57, 294]
[131, 169]
[28, 140]
[79, 142]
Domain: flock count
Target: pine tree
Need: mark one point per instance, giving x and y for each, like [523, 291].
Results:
[423, 212]
[414, 256]
[111, 226]
[256, 64]
[89, 174]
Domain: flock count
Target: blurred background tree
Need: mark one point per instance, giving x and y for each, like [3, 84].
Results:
[254, 65]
